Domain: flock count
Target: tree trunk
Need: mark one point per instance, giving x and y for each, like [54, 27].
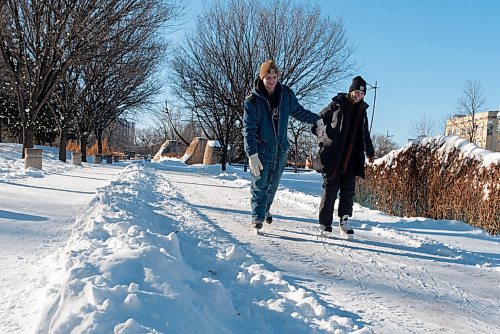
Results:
[223, 158]
[28, 135]
[63, 140]
[295, 169]
[83, 147]
[99, 141]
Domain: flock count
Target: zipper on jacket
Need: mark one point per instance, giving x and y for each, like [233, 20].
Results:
[276, 135]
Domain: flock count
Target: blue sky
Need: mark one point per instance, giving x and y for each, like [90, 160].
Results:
[421, 53]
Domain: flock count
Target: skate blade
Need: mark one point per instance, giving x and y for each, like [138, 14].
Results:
[346, 236]
[324, 234]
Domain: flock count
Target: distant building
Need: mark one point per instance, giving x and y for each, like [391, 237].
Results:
[487, 126]
[122, 134]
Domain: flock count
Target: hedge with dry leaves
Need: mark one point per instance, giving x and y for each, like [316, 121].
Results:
[430, 181]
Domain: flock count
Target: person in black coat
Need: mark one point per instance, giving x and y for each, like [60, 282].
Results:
[342, 153]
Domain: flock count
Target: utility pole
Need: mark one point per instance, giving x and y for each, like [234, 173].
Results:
[374, 100]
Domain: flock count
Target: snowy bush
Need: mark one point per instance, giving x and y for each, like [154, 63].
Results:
[436, 177]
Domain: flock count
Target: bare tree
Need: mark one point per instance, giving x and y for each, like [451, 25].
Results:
[41, 39]
[302, 145]
[126, 88]
[10, 124]
[64, 101]
[149, 138]
[170, 125]
[469, 104]
[216, 69]
[383, 144]
[119, 77]
[312, 51]
[424, 127]
[214, 72]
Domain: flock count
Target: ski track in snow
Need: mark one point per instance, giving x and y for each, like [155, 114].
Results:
[414, 272]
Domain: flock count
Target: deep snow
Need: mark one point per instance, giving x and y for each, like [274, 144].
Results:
[166, 247]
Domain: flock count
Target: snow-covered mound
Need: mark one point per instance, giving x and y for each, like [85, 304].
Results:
[446, 145]
[12, 165]
[440, 178]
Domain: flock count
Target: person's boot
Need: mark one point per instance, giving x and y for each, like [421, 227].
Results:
[325, 230]
[257, 225]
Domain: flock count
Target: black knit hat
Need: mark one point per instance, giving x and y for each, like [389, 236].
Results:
[358, 83]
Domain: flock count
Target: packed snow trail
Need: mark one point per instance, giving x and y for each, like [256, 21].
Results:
[396, 276]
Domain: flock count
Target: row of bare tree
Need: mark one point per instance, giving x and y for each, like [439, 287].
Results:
[78, 65]
[81, 63]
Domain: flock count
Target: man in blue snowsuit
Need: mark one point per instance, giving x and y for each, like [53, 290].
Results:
[265, 126]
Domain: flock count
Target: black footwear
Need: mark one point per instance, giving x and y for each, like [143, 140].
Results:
[257, 225]
[325, 228]
[269, 218]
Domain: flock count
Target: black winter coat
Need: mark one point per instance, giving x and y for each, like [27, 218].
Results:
[332, 151]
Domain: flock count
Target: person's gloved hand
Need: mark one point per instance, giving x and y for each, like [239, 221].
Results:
[321, 131]
[255, 164]
[320, 128]
[322, 136]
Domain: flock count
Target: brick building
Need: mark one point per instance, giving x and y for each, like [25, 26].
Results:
[487, 129]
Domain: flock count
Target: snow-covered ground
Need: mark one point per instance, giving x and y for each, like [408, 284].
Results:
[167, 248]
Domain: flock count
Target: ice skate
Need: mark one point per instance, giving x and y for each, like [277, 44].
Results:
[257, 225]
[346, 230]
[325, 230]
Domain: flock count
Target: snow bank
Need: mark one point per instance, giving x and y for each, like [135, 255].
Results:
[142, 260]
[12, 165]
[446, 145]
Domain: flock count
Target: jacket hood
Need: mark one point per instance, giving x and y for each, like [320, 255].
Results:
[259, 89]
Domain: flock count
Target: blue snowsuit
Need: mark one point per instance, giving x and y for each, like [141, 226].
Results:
[268, 138]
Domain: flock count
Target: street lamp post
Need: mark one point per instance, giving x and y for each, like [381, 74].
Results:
[374, 100]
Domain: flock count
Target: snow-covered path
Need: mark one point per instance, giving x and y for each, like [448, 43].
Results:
[398, 276]
[34, 223]
[167, 247]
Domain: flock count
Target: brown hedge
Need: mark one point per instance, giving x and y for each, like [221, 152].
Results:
[436, 182]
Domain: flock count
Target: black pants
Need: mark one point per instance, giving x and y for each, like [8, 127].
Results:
[346, 185]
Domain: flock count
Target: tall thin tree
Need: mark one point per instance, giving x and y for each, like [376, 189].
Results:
[469, 105]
